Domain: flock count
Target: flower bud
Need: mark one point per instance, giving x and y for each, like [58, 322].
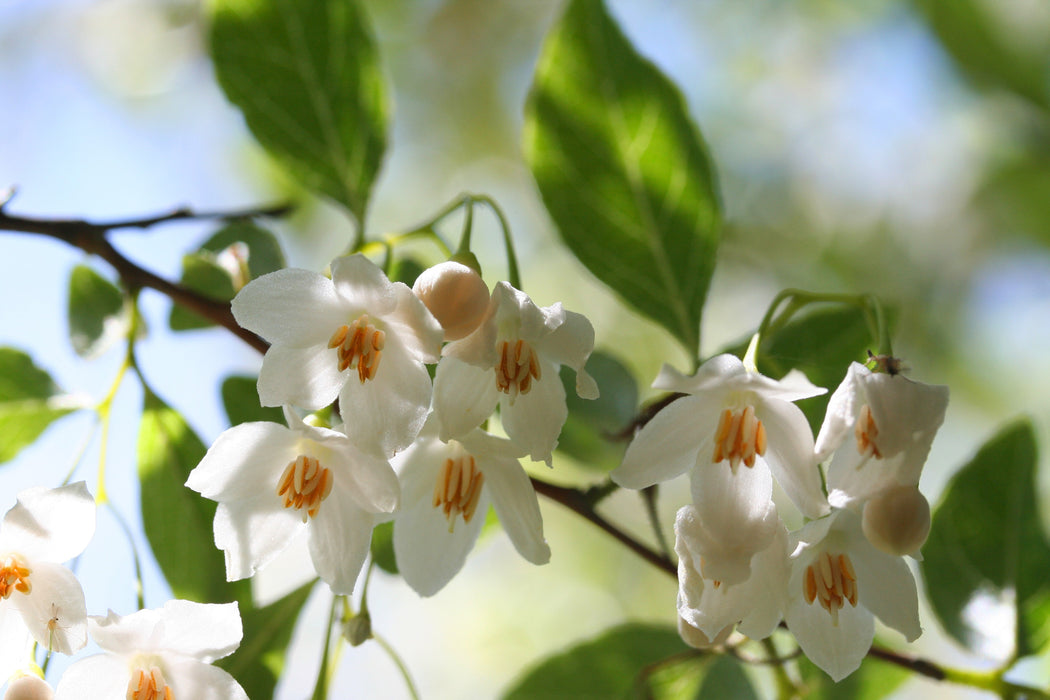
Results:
[28, 688]
[897, 520]
[358, 629]
[456, 295]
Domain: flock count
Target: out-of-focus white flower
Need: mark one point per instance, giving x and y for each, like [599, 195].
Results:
[159, 654]
[271, 482]
[357, 336]
[37, 593]
[839, 583]
[512, 360]
[446, 490]
[456, 295]
[880, 427]
[28, 687]
[714, 607]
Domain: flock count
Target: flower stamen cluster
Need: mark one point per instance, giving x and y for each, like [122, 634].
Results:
[458, 488]
[739, 437]
[360, 346]
[517, 367]
[304, 484]
[149, 685]
[832, 580]
[14, 576]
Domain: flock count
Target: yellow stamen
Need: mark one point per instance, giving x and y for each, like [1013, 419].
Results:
[458, 488]
[832, 580]
[360, 345]
[739, 437]
[148, 685]
[518, 366]
[14, 576]
[866, 432]
[304, 484]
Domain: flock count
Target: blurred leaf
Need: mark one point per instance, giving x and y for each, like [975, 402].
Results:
[97, 318]
[987, 543]
[725, 679]
[240, 398]
[263, 251]
[383, 547]
[1015, 196]
[680, 680]
[872, 681]
[29, 402]
[306, 76]
[259, 660]
[988, 52]
[623, 172]
[203, 275]
[406, 270]
[178, 521]
[610, 666]
[586, 435]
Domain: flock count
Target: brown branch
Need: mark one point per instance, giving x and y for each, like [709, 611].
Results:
[912, 663]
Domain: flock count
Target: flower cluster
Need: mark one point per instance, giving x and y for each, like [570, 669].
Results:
[734, 431]
[407, 448]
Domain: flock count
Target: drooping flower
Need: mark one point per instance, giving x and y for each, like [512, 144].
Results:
[712, 606]
[159, 654]
[357, 336]
[512, 359]
[38, 594]
[879, 426]
[839, 583]
[271, 482]
[446, 490]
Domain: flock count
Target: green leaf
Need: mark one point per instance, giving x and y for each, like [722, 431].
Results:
[383, 547]
[202, 274]
[29, 402]
[259, 660]
[613, 665]
[623, 171]
[588, 433]
[96, 313]
[987, 546]
[178, 521]
[872, 681]
[725, 679]
[240, 398]
[306, 76]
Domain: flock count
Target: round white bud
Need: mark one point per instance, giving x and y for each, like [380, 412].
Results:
[897, 520]
[456, 295]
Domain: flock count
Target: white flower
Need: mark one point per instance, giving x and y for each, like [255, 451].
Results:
[512, 359]
[159, 654]
[891, 420]
[45, 527]
[446, 490]
[839, 583]
[714, 607]
[357, 336]
[271, 482]
[456, 295]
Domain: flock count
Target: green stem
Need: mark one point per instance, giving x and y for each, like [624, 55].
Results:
[513, 274]
[321, 688]
[140, 598]
[105, 406]
[396, 658]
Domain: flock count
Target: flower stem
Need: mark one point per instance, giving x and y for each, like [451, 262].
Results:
[321, 688]
[399, 662]
[140, 598]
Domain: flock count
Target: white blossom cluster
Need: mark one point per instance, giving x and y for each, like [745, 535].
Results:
[734, 431]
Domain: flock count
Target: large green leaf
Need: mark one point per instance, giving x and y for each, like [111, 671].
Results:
[29, 402]
[259, 660]
[608, 667]
[724, 678]
[240, 398]
[623, 171]
[873, 680]
[987, 546]
[306, 76]
[96, 312]
[178, 521]
[589, 432]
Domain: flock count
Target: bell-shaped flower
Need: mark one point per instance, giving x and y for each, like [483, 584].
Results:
[159, 654]
[38, 594]
[271, 482]
[511, 360]
[446, 490]
[714, 607]
[839, 583]
[879, 426]
[357, 336]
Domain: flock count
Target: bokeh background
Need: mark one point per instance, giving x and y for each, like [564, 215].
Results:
[886, 146]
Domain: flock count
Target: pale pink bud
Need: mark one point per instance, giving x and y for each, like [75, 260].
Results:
[456, 295]
[28, 688]
[897, 520]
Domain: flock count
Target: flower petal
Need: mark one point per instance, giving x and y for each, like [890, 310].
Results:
[15, 641]
[517, 507]
[304, 376]
[571, 344]
[100, 677]
[362, 286]
[340, 535]
[711, 375]
[534, 420]
[840, 414]
[50, 524]
[464, 396]
[416, 328]
[668, 445]
[790, 455]
[886, 587]
[252, 531]
[290, 307]
[202, 631]
[56, 594]
[192, 679]
[371, 482]
[244, 460]
[836, 648]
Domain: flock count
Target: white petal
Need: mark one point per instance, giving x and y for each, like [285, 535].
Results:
[15, 641]
[669, 444]
[370, 480]
[429, 551]
[765, 598]
[50, 524]
[464, 396]
[791, 387]
[790, 455]
[534, 420]
[202, 631]
[123, 634]
[517, 507]
[712, 375]
[838, 649]
[478, 348]
[571, 344]
[908, 415]
[252, 531]
[362, 285]
[99, 677]
[516, 312]
[245, 460]
[56, 593]
[840, 414]
[386, 412]
[304, 376]
[416, 328]
[193, 679]
[340, 535]
[290, 307]
[886, 587]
